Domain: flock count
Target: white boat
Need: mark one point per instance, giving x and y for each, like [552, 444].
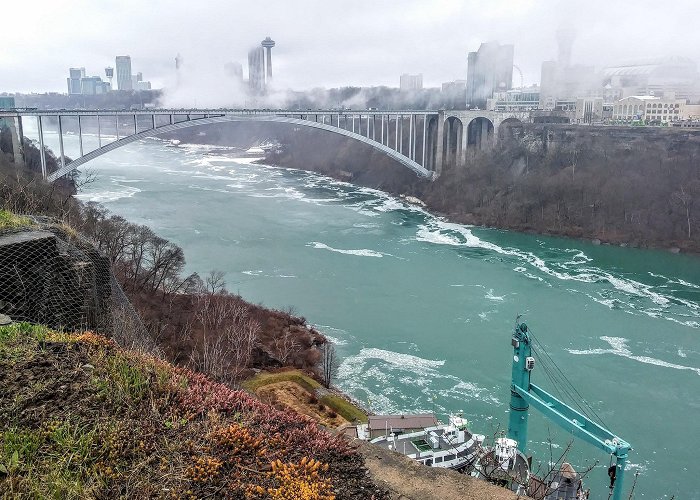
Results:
[450, 446]
[505, 465]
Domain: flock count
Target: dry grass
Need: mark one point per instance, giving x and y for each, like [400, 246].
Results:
[8, 220]
[83, 418]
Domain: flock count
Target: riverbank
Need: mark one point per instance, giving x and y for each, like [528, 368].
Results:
[630, 204]
[619, 186]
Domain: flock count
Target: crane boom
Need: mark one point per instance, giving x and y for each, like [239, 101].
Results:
[524, 393]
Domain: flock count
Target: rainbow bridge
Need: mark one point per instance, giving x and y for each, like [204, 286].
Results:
[423, 141]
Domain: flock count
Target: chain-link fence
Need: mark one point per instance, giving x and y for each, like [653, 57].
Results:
[50, 274]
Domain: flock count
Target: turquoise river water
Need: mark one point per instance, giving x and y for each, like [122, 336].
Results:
[422, 310]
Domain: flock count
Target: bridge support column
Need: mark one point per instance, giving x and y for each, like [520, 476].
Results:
[42, 153]
[484, 135]
[439, 151]
[99, 132]
[60, 142]
[465, 144]
[381, 126]
[396, 136]
[80, 135]
[410, 136]
[425, 130]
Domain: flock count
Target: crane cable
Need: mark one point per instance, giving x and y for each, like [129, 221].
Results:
[568, 387]
[556, 382]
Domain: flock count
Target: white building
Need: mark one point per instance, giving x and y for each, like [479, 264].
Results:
[649, 109]
[522, 99]
[589, 109]
[411, 82]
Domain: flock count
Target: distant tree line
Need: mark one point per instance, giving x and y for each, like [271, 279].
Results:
[632, 187]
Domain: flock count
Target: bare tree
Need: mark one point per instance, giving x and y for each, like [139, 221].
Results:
[214, 281]
[241, 338]
[285, 346]
[686, 201]
[329, 363]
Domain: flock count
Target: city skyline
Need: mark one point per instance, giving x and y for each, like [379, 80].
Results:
[380, 42]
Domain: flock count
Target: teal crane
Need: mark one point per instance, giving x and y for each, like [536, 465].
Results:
[524, 394]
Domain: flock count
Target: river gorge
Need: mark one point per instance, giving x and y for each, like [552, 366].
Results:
[422, 310]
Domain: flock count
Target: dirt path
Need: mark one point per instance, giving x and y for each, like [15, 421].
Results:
[300, 400]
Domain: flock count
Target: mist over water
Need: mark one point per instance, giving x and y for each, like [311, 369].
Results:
[422, 310]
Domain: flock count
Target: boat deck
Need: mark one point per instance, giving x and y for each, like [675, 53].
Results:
[418, 442]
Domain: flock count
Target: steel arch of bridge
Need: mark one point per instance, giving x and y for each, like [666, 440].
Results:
[404, 160]
[195, 117]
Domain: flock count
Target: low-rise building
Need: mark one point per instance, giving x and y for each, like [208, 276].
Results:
[522, 99]
[381, 425]
[649, 109]
[589, 110]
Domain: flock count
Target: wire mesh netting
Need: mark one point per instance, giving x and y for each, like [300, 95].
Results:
[51, 275]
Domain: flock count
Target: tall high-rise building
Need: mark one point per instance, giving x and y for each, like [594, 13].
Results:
[411, 82]
[123, 65]
[94, 85]
[267, 44]
[256, 69]
[73, 80]
[109, 73]
[490, 69]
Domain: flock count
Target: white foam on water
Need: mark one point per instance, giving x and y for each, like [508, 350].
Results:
[414, 364]
[686, 283]
[379, 373]
[445, 233]
[468, 390]
[578, 258]
[619, 348]
[124, 180]
[108, 195]
[484, 315]
[360, 253]
[203, 188]
[496, 298]
[255, 272]
[682, 354]
[284, 192]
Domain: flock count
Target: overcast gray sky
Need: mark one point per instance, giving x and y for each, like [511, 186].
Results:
[324, 42]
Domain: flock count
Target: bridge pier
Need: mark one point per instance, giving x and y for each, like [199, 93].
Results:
[60, 143]
[42, 152]
[465, 143]
[439, 150]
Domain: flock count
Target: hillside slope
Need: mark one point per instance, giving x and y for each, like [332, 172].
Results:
[82, 418]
